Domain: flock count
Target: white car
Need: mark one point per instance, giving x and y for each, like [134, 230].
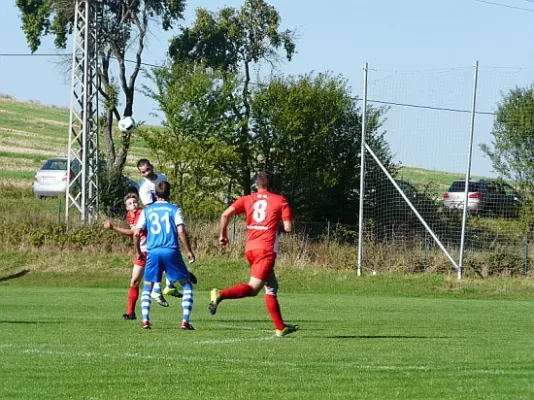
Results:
[51, 179]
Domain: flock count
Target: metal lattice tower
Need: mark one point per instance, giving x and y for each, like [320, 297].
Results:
[82, 192]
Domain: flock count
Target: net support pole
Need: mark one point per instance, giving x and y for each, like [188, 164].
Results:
[362, 172]
[468, 174]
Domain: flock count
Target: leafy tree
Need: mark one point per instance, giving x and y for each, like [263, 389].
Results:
[307, 131]
[194, 100]
[124, 28]
[232, 41]
[512, 150]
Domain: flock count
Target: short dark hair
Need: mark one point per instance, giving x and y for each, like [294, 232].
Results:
[143, 161]
[264, 180]
[131, 195]
[163, 190]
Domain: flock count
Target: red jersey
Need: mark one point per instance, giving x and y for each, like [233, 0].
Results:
[264, 211]
[132, 218]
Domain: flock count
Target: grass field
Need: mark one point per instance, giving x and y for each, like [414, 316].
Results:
[31, 133]
[390, 336]
[71, 343]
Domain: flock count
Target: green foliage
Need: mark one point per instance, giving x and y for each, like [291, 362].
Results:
[307, 131]
[512, 151]
[56, 17]
[191, 148]
[124, 26]
[232, 40]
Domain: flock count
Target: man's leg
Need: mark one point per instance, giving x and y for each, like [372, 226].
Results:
[187, 305]
[156, 295]
[145, 304]
[271, 302]
[177, 272]
[170, 289]
[133, 292]
[238, 291]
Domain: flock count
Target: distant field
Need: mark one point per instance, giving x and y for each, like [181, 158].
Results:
[31, 133]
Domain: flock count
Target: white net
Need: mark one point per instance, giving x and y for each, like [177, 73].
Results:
[428, 126]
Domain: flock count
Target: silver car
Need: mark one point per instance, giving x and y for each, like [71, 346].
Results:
[51, 179]
[477, 195]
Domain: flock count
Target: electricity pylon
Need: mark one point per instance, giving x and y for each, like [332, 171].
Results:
[82, 185]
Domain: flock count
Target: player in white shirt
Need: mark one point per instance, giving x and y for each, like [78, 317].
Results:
[147, 194]
[147, 188]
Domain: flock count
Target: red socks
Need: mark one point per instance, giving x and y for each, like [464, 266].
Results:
[133, 295]
[271, 302]
[236, 292]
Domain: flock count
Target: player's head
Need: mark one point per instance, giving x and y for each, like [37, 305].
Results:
[145, 167]
[131, 200]
[264, 181]
[163, 190]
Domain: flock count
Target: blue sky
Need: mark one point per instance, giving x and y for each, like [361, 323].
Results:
[421, 52]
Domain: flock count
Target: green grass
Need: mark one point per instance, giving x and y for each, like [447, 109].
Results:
[18, 175]
[31, 133]
[72, 343]
[43, 120]
[420, 177]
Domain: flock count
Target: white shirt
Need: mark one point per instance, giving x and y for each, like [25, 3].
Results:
[147, 189]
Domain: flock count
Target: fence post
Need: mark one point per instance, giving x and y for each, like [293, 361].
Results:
[426, 249]
[525, 268]
[362, 171]
[233, 229]
[327, 233]
[468, 174]
[58, 210]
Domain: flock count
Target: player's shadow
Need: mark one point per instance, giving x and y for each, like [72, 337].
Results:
[385, 337]
[28, 322]
[14, 276]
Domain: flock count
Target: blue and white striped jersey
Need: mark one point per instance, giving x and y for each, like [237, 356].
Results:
[161, 220]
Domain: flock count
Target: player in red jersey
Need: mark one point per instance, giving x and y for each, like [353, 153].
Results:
[267, 215]
[131, 200]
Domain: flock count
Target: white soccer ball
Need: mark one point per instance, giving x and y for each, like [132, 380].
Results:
[126, 124]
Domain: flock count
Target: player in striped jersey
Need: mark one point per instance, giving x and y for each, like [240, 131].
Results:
[165, 227]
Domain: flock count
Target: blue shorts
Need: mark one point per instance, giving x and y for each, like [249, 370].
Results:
[168, 260]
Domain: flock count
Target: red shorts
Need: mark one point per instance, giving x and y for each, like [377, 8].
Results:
[261, 263]
[139, 262]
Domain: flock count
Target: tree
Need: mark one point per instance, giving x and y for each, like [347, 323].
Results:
[512, 150]
[233, 40]
[124, 28]
[308, 132]
[198, 164]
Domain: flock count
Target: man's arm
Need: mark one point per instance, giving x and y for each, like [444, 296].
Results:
[125, 231]
[182, 233]
[223, 225]
[285, 227]
[137, 243]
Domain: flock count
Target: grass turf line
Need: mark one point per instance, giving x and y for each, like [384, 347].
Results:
[72, 341]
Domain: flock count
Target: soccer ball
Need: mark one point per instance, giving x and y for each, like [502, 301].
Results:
[126, 124]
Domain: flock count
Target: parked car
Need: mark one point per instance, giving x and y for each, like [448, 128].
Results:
[503, 200]
[492, 198]
[51, 179]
